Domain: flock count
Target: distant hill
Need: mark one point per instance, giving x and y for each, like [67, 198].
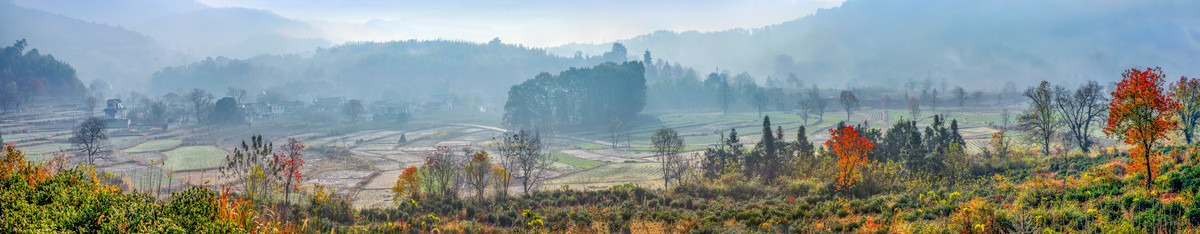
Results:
[194, 28]
[96, 51]
[113, 12]
[876, 42]
[409, 69]
[27, 75]
[232, 32]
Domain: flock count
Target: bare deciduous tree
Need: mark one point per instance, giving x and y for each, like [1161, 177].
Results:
[353, 110]
[478, 173]
[237, 94]
[849, 102]
[1080, 109]
[523, 158]
[816, 103]
[615, 129]
[201, 101]
[1187, 92]
[442, 170]
[91, 104]
[1039, 121]
[90, 140]
[667, 147]
[761, 99]
[805, 108]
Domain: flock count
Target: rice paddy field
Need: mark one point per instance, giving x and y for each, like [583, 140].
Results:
[154, 146]
[364, 161]
[194, 158]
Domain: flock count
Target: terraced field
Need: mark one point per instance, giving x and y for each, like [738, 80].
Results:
[582, 159]
[611, 173]
[154, 146]
[194, 157]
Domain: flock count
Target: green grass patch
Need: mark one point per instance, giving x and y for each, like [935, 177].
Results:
[620, 172]
[124, 141]
[153, 146]
[574, 161]
[447, 133]
[590, 146]
[194, 157]
[685, 148]
[150, 178]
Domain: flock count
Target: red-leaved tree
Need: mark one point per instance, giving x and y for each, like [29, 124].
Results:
[290, 164]
[851, 150]
[1140, 115]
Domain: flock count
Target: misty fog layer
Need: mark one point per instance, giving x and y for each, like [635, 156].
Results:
[859, 43]
[403, 70]
[966, 42]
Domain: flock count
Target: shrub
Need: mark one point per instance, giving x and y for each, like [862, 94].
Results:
[1187, 178]
[194, 208]
[334, 207]
[1193, 216]
[1154, 222]
[75, 201]
[1135, 203]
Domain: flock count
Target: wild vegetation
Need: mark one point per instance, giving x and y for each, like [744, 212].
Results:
[903, 178]
[845, 134]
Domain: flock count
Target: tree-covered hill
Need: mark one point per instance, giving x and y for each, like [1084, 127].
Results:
[26, 74]
[414, 69]
[96, 51]
[863, 42]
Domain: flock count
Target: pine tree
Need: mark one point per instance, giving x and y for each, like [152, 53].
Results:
[767, 159]
[804, 148]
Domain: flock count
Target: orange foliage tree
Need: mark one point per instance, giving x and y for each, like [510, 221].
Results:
[408, 182]
[851, 150]
[1140, 115]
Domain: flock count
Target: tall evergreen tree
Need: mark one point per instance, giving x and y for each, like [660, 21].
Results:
[804, 148]
[768, 157]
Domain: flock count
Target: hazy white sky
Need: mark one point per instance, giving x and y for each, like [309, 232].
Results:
[536, 23]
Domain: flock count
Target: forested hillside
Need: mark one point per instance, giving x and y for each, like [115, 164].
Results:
[27, 76]
[97, 51]
[414, 69]
[864, 42]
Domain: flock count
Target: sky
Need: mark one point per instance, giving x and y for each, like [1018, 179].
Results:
[539, 23]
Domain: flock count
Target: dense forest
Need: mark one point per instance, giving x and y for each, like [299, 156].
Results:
[578, 97]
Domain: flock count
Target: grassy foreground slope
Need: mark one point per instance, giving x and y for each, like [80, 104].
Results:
[1075, 193]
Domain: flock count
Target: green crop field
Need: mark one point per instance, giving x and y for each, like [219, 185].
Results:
[151, 146]
[618, 172]
[574, 161]
[194, 157]
[685, 148]
[589, 145]
[122, 141]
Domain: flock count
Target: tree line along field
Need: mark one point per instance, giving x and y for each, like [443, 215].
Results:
[196, 153]
[376, 177]
[573, 152]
